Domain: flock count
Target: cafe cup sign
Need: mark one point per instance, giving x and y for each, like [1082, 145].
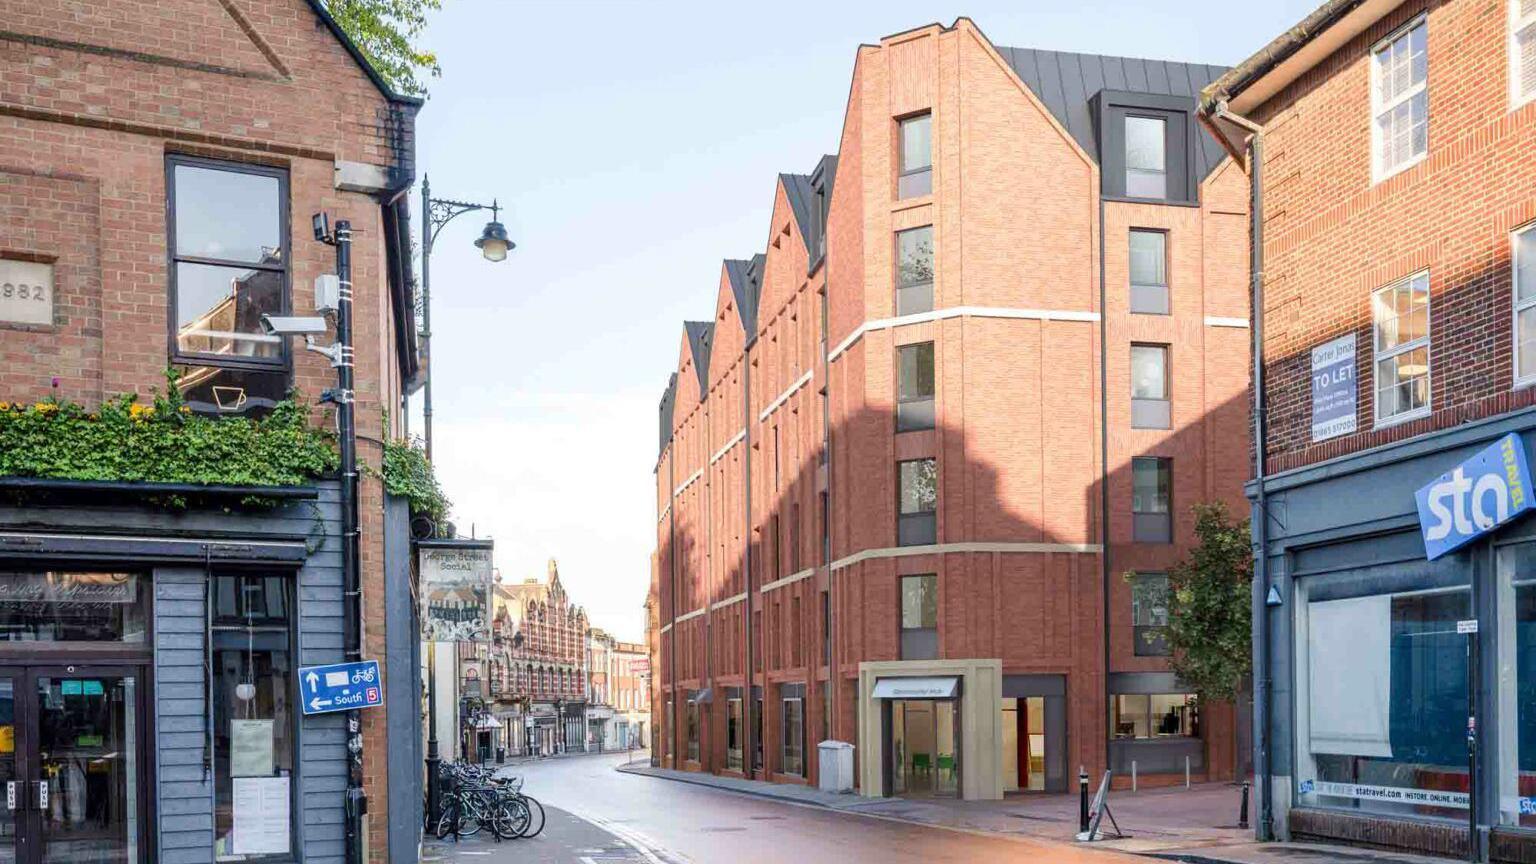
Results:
[456, 586]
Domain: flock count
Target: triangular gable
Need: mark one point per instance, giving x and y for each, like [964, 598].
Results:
[700, 338]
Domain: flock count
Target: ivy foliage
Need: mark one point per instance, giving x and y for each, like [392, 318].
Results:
[162, 442]
[409, 475]
[385, 31]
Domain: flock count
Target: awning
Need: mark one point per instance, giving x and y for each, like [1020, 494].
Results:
[487, 722]
[917, 688]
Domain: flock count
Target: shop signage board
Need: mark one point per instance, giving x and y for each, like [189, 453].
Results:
[1334, 392]
[456, 586]
[340, 687]
[1475, 497]
[1396, 794]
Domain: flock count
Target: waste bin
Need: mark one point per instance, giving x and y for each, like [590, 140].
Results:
[835, 759]
[501, 755]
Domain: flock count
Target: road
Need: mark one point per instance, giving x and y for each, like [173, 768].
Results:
[597, 814]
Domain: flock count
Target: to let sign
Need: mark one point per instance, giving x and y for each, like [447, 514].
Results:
[1475, 497]
[340, 687]
[1333, 388]
[26, 292]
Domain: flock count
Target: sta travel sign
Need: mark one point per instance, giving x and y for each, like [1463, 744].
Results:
[1475, 497]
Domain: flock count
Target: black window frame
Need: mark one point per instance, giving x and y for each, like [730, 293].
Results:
[914, 418]
[901, 152]
[1148, 412]
[284, 361]
[930, 534]
[792, 693]
[1110, 110]
[1130, 271]
[1153, 526]
[917, 642]
[900, 283]
[1150, 640]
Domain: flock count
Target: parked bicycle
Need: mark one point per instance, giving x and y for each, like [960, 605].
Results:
[473, 798]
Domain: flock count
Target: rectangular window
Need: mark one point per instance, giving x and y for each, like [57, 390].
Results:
[666, 728]
[1401, 315]
[826, 710]
[1146, 157]
[1149, 271]
[72, 606]
[1156, 715]
[252, 707]
[918, 499]
[914, 387]
[916, 175]
[1522, 50]
[1149, 614]
[1152, 493]
[1400, 100]
[1524, 275]
[1516, 687]
[914, 270]
[693, 726]
[920, 617]
[793, 742]
[826, 629]
[734, 731]
[1150, 408]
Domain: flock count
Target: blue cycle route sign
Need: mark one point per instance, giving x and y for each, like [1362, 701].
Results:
[340, 687]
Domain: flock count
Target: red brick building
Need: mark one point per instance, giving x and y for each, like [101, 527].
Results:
[1397, 179]
[159, 164]
[983, 331]
[538, 666]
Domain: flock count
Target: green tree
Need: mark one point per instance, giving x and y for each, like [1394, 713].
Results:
[1209, 606]
[386, 31]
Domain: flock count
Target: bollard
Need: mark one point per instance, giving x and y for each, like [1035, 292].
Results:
[1186, 772]
[1082, 806]
[1133, 775]
[1242, 810]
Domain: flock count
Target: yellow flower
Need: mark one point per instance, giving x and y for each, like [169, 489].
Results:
[185, 409]
[5, 406]
[44, 407]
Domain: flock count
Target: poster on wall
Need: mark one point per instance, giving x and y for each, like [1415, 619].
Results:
[260, 814]
[1334, 394]
[456, 593]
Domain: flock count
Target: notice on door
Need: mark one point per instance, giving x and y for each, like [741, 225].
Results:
[250, 748]
[260, 816]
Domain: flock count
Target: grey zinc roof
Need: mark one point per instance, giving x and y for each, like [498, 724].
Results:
[700, 336]
[744, 289]
[1065, 81]
[668, 400]
[802, 200]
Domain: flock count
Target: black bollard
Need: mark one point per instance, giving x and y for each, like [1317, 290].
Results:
[1082, 806]
[1242, 810]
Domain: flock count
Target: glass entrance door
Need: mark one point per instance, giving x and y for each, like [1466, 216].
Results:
[923, 748]
[12, 769]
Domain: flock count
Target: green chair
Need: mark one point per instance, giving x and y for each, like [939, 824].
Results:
[947, 765]
[920, 763]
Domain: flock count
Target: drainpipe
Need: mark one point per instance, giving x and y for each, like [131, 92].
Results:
[1104, 474]
[749, 704]
[1262, 680]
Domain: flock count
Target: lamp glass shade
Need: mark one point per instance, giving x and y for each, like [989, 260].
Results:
[493, 242]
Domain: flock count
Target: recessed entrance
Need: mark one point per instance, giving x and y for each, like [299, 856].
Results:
[924, 748]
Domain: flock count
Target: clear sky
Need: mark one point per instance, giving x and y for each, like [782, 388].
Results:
[634, 145]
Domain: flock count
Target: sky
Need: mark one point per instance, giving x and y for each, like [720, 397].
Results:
[633, 146]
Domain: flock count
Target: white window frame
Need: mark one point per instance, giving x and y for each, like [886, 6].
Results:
[1516, 305]
[1516, 24]
[1378, 355]
[1379, 172]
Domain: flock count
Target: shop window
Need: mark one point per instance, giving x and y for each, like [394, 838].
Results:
[1151, 495]
[793, 740]
[914, 387]
[734, 731]
[72, 606]
[1382, 709]
[1149, 614]
[1400, 315]
[1149, 271]
[918, 499]
[1516, 686]
[1400, 100]
[916, 144]
[1524, 270]
[693, 727]
[253, 743]
[1156, 715]
[1150, 408]
[920, 617]
[914, 270]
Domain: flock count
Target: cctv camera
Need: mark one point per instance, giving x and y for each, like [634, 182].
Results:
[322, 225]
[292, 325]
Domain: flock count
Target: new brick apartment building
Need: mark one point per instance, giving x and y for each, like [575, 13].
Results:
[1397, 176]
[159, 163]
[922, 472]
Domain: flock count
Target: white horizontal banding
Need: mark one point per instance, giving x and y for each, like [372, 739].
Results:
[961, 312]
[729, 601]
[1217, 321]
[788, 580]
[664, 511]
[689, 482]
[940, 548]
[784, 397]
[666, 627]
[687, 615]
[735, 439]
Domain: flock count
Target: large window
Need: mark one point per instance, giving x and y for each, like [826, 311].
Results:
[252, 705]
[72, 606]
[914, 270]
[1156, 715]
[1149, 271]
[1146, 157]
[693, 726]
[1149, 614]
[1522, 50]
[916, 176]
[1400, 100]
[229, 264]
[918, 499]
[1516, 687]
[1151, 496]
[793, 743]
[734, 731]
[1524, 245]
[920, 617]
[1401, 325]
[1150, 408]
[914, 387]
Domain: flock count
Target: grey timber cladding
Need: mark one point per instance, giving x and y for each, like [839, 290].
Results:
[185, 787]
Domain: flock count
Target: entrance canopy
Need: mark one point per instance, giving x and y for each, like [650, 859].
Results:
[487, 722]
[917, 688]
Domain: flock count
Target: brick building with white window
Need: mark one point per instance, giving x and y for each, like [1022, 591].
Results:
[1395, 595]
[996, 322]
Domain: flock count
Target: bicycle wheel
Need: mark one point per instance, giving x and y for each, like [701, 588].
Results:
[536, 816]
[511, 819]
[446, 820]
[472, 821]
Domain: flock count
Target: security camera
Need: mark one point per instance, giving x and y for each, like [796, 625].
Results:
[322, 225]
[292, 325]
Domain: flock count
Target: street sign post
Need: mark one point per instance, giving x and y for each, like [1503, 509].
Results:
[340, 687]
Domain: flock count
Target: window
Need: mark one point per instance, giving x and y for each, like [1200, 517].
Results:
[1146, 157]
[1522, 50]
[72, 606]
[1516, 686]
[733, 729]
[252, 706]
[666, 728]
[1150, 408]
[228, 266]
[914, 270]
[914, 387]
[1401, 315]
[920, 617]
[826, 629]
[1149, 614]
[1400, 100]
[1149, 271]
[693, 726]
[826, 710]
[1152, 484]
[1156, 715]
[918, 497]
[916, 176]
[793, 742]
[1524, 243]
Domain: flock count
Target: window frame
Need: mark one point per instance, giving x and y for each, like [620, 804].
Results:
[1130, 271]
[792, 693]
[1425, 342]
[1167, 513]
[931, 398]
[1138, 580]
[1163, 422]
[899, 285]
[1125, 122]
[1380, 172]
[1516, 24]
[1516, 304]
[931, 514]
[281, 363]
[927, 582]
[901, 152]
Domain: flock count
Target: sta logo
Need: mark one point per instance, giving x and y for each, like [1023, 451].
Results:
[1452, 506]
[1475, 497]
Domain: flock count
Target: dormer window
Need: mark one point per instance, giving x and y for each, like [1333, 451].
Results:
[1145, 143]
[1146, 157]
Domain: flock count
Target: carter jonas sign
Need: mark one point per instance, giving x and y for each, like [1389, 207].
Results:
[1475, 497]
